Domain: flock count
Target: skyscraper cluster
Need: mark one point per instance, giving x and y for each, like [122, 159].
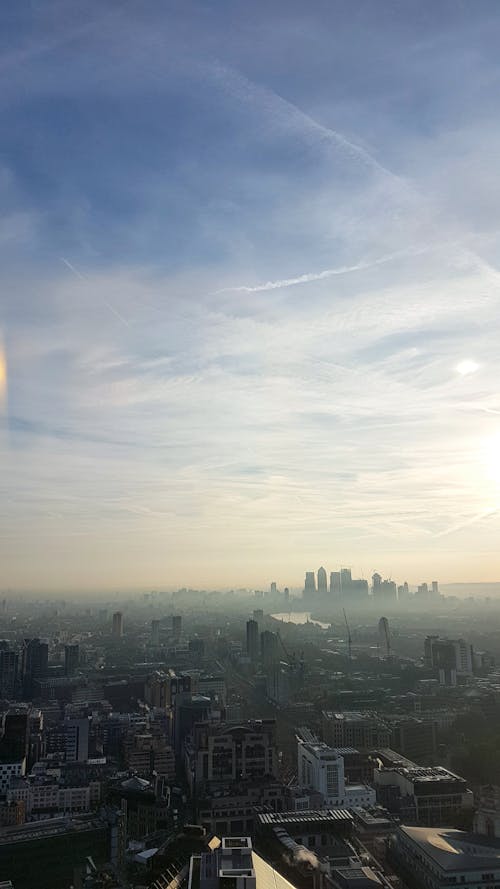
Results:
[340, 585]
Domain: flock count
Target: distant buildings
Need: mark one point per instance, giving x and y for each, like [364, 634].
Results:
[117, 625]
[451, 658]
[362, 730]
[341, 585]
[252, 640]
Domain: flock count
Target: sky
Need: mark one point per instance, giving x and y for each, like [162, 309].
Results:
[250, 292]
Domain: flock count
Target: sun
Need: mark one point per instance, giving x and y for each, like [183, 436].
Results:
[466, 367]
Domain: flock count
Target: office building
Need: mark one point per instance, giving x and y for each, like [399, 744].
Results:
[322, 584]
[269, 649]
[71, 659]
[321, 770]
[14, 741]
[155, 633]
[426, 795]
[273, 588]
[117, 627]
[176, 627]
[309, 584]
[227, 754]
[451, 658]
[362, 730]
[384, 590]
[233, 865]
[76, 745]
[9, 663]
[439, 858]
[35, 659]
[335, 583]
[52, 849]
[253, 640]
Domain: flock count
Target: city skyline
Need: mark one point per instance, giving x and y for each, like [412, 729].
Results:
[250, 293]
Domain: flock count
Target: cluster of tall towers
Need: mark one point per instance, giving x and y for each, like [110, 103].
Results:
[341, 583]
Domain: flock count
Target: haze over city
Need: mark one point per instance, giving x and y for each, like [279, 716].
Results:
[249, 293]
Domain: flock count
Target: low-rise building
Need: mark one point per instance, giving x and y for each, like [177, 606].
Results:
[424, 795]
[437, 858]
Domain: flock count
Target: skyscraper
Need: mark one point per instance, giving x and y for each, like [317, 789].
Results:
[310, 584]
[71, 659]
[155, 632]
[322, 584]
[117, 624]
[253, 640]
[335, 583]
[345, 580]
[35, 658]
[176, 626]
[269, 648]
[9, 661]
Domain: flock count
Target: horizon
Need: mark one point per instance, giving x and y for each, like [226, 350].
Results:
[249, 305]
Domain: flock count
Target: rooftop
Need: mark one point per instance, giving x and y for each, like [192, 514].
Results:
[307, 817]
[455, 850]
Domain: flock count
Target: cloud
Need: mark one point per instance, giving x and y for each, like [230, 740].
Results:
[214, 436]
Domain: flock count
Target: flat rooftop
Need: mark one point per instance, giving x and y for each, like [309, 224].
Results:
[309, 816]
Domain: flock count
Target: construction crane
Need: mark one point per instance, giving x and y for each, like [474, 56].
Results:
[384, 636]
[291, 657]
[349, 637]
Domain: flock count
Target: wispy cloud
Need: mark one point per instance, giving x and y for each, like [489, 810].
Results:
[209, 429]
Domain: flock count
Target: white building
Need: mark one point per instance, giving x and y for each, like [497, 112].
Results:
[321, 769]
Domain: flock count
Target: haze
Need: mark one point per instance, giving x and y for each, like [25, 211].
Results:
[250, 292]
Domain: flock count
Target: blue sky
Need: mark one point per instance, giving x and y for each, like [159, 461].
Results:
[244, 249]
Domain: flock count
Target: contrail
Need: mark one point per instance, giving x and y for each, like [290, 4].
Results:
[320, 276]
[472, 521]
[108, 305]
[290, 116]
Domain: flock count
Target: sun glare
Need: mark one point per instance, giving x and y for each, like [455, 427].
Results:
[466, 367]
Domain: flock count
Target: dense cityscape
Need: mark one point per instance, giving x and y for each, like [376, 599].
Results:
[182, 738]
[249, 444]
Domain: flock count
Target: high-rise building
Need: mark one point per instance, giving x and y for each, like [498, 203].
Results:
[176, 626]
[384, 589]
[286, 593]
[9, 662]
[269, 648]
[253, 640]
[310, 584]
[273, 588]
[435, 588]
[76, 740]
[117, 624]
[14, 743]
[155, 632]
[451, 657]
[35, 659]
[322, 584]
[71, 658]
[345, 580]
[335, 583]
